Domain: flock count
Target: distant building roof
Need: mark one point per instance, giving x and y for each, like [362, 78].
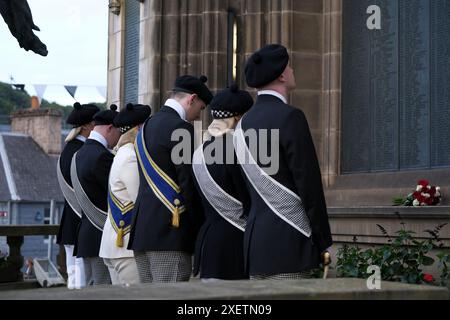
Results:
[27, 173]
[4, 190]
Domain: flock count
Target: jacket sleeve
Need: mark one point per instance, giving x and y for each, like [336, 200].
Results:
[102, 169]
[300, 154]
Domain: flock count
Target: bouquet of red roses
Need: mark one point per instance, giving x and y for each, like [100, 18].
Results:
[425, 195]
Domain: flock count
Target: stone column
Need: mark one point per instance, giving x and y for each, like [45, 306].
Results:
[181, 37]
[298, 25]
[15, 255]
[150, 54]
[116, 56]
[331, 94]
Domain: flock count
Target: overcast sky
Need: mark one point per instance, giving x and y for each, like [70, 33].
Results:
[76, 35]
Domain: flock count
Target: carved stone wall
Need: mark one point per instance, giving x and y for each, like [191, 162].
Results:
[190, 37]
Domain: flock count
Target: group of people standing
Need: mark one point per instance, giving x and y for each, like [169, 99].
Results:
[139, 214]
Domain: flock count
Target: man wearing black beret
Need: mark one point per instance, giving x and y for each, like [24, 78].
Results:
[168, 211]
[287, 229]
[89, 173]
[81, 118]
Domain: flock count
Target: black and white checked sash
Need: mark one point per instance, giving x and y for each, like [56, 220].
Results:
[283, 202]
[95, 215]
[67, 190]
[227, 206]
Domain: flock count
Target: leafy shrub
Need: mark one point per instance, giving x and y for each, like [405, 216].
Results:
[401, 260]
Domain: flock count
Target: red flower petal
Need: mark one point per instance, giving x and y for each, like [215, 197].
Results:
[428, 277]
[424, 183]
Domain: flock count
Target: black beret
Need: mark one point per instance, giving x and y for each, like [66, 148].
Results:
[230, 102]
[131, 116]
[266, 65]
[106, 117]
[82, 114]
[190, 84]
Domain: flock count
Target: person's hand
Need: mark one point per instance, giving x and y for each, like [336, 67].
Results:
[18, 17]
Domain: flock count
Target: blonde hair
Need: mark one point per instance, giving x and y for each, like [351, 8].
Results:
[75, 132]
[219, 127]
[127, 137]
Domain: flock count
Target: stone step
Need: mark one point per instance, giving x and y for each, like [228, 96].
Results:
[310, 289]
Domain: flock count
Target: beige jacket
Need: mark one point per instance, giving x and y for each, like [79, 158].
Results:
[124, 183]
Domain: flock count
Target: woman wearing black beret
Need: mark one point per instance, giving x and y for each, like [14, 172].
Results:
[219, 248]
[81, 118]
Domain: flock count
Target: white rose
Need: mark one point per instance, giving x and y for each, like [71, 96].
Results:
[416, 203]
[426, 195]
[438, 189]
[419, 188]
[428, 187]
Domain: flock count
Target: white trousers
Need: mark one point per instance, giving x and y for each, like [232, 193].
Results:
[123, 271]
[76, 272]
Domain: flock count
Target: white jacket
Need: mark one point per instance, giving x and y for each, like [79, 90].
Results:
[124, 184]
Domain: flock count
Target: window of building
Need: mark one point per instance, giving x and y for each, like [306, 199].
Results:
[395, 86]
[232, 47]
[131, 51]
[46, 221]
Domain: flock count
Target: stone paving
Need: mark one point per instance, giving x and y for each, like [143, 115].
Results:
[311, 289]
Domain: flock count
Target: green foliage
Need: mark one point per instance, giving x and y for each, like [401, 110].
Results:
[409, 200]
[351, 262]
[444, 263]
[11, 99]
[401, 260]
[398, 201]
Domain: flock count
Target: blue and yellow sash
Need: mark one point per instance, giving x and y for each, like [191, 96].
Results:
[120, 216]
[164, 188]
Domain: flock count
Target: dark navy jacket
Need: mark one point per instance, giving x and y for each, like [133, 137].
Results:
[94, 162]
[219, 250]
[69, 220]
[271, 245]
[152, 222]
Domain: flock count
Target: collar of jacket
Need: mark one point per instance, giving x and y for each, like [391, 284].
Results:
[175, 105]
[272, 93]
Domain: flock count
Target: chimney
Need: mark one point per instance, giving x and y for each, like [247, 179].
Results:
[43, 125]
[35, 104]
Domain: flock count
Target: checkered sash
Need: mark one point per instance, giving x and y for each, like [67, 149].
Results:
[283, 202]
[67, 191]
[95, 215]
[225, 205]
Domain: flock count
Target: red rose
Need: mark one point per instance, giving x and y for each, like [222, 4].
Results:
[424, 183]
[428, 278]
[432, 191]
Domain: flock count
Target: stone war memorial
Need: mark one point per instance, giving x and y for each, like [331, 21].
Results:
[373, 80]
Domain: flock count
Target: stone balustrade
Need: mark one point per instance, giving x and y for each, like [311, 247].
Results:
[15, 236]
